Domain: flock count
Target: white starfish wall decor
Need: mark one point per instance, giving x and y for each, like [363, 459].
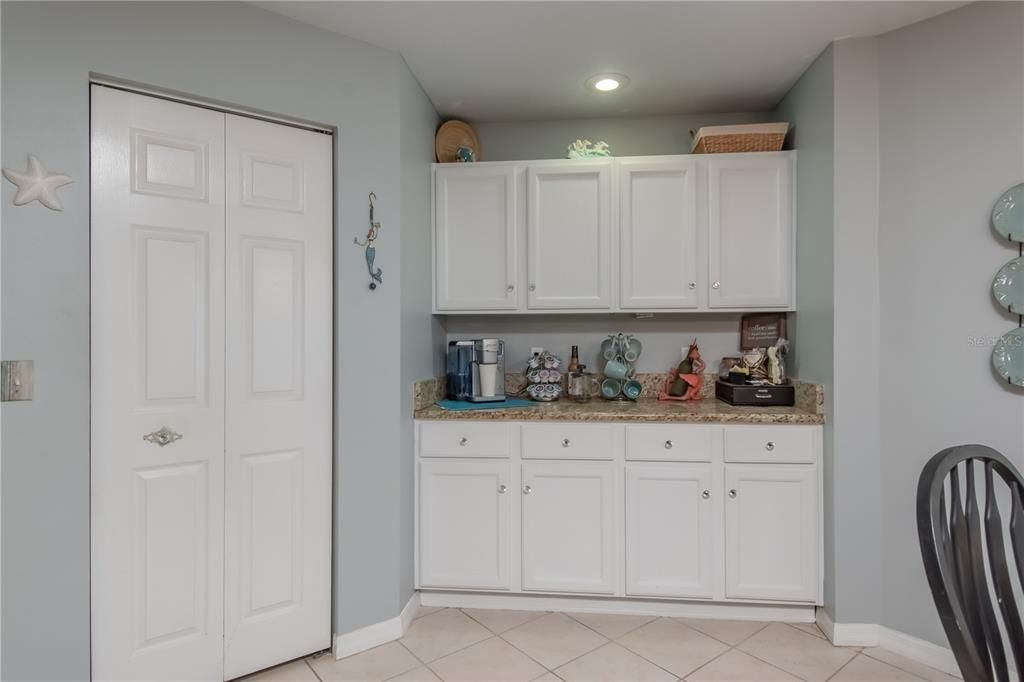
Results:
[37, 184]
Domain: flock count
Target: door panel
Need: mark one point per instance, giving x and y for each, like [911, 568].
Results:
[464, 525]
[569, 240]
[669, 530]
[750, 232]
[568, 527]
[771, 529]
[658, 233]
[157, 354]
[478, 233]
[278, 421]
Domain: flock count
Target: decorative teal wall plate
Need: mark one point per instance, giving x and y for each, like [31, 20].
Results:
[1008, 214]
[1008, 356]
[1008, 286]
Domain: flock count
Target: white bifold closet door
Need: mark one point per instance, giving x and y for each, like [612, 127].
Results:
[211, 390]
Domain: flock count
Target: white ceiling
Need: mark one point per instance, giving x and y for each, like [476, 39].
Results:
[502, 61]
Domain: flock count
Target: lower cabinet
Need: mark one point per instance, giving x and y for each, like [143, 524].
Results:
[464, 534]
[646, 511]
[568, 527]
[771, 532]
[670, 530]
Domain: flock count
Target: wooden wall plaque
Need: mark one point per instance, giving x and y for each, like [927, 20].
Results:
[761, 330]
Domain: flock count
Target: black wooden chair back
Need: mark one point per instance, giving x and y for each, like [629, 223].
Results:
[974, 596]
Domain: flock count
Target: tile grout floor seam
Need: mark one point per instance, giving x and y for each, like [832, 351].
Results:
[899, 667]
[616, 641]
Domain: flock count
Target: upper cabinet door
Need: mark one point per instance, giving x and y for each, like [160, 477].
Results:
[569, 235]
[750, 231]
[478, 226]
[658, 233]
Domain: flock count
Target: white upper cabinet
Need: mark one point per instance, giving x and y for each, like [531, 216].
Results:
[479, 219]
[569, 225]
[750, 231]
[658, 232]
[701, 232]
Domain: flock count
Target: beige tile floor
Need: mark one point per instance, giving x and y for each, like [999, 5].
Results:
[483, 645]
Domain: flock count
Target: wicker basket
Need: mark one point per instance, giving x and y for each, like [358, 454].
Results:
[758, 137]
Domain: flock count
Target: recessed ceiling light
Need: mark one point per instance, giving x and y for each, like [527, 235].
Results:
[607, 82]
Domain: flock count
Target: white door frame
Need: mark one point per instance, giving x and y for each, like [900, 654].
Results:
[190, 100]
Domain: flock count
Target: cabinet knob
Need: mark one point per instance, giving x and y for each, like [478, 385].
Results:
[503, 489]
[566, 442]
[706, 494]
[732, 493]
[693, 285]
[533, 287]
[668, 445]
[527, 490]
[463, 441]
[769, 446]
[716, 285]
[510, 288]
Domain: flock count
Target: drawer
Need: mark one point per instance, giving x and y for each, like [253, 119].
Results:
[671, 442]
[796, 444]
[465, 439]
[567, 441]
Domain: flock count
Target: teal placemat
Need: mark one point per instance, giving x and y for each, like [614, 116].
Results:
[459, 405]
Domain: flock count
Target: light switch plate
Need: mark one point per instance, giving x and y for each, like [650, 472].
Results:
[17, 380]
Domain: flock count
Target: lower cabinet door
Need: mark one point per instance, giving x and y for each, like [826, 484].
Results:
[771, 530]
[670, 539]
[568, 527]
[464, 525]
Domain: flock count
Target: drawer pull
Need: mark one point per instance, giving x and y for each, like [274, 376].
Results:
[566, 443]
[706, 494]
[732, 493]
[668, 445]
[527, 490]
[769, 446]
[502, 489]
[463, 441]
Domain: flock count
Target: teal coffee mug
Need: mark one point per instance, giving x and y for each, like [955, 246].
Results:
[610, 388]
[617, 369]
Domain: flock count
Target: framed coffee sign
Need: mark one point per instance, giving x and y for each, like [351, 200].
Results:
[761, 330]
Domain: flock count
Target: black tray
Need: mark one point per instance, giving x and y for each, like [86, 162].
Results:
[742, 394]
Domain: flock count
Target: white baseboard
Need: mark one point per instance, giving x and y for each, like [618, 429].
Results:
[871, 634]
[920, 650]
[633, 607]
[379, 633]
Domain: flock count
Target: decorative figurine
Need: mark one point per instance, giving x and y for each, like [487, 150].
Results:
[585, 149]
[685, 382]
[465, 155]
[376, 276]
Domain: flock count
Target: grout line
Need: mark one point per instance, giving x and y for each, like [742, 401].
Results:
[411, 652]
[480, 641]
[900, 668]
[614, 639]
[867, 653]
[788, 672]
[821, 636]
[540, 614]
[616, 642]
[728, 644]
[704, 665]
[312, 669]
[833, 675]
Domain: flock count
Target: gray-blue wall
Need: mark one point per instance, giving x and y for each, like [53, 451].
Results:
[808, 107]
[248, 57]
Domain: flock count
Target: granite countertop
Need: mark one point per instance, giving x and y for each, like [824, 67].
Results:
[708, 410]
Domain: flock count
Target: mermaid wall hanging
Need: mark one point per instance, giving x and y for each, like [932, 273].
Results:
[376, 276]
